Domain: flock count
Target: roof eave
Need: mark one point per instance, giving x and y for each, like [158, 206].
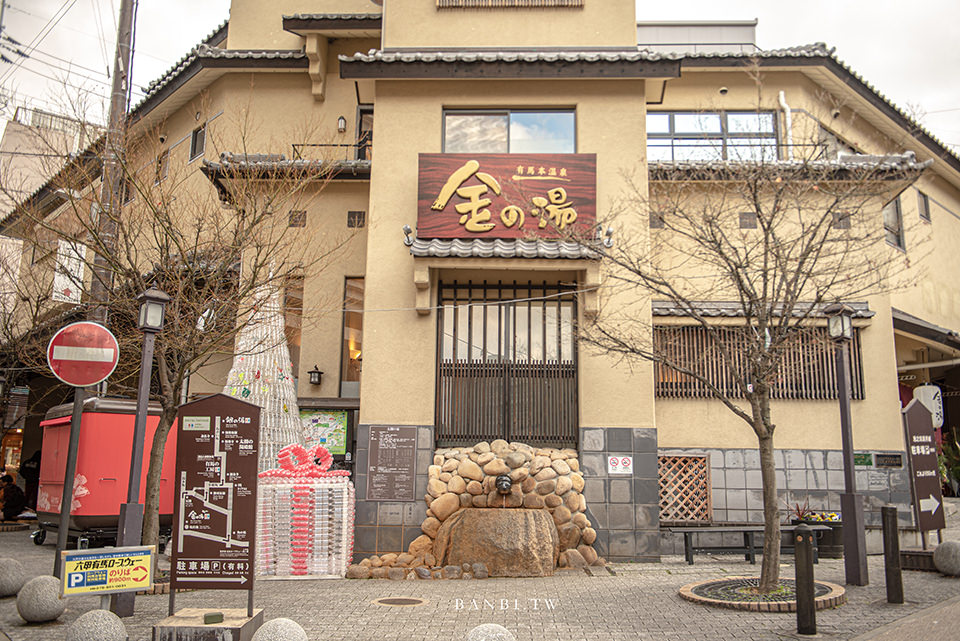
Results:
[548, 70]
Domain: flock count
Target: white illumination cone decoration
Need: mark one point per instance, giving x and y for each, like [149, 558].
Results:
[262, 374]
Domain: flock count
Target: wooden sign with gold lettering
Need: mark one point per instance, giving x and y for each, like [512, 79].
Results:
[506, 195]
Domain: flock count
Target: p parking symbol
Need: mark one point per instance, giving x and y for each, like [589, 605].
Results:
[76, 580]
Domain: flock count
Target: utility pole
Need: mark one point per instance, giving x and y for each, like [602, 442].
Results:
[131, 516]
[113, 151]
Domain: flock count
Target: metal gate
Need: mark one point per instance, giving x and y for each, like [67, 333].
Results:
[507, 363]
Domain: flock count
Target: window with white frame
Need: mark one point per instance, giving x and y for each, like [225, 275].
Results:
[893, 223]
[677, 136]
[923, 204]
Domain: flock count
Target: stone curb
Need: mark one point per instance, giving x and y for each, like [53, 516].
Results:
[836, 597]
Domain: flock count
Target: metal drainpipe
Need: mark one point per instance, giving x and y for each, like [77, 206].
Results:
[788, 123]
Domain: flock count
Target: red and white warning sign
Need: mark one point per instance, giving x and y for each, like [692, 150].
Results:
[619, 464]
[83, 354]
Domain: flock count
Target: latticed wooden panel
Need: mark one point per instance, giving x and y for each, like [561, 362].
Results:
[685, 488]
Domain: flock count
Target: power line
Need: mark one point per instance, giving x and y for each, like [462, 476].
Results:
[101, 40]
[74, 73]
[43, 33]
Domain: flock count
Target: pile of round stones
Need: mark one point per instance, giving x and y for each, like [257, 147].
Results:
[465, 477]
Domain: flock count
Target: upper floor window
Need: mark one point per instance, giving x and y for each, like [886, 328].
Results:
[711, 135]
[197, 141]
[893, 223]
[510, 132]
[163, 166]
[923, 204]
[365, 134]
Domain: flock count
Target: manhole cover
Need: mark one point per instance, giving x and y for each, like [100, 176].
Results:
[400, 601]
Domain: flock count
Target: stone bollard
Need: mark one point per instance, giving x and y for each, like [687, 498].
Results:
[12, 577]
[490, 632]
[39, 600]
[946, 558]
[803, 559]
[280, 630]
[97, 625]
[891, 554]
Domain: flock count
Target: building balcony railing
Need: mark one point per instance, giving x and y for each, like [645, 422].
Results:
[331, 152]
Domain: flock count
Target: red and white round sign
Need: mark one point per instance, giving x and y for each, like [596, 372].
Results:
[83, 354]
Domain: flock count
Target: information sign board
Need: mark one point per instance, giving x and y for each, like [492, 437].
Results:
[924, 470]
[393, 461]
[106, 570]
[215, 497]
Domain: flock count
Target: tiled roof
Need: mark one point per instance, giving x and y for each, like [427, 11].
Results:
[893, 163]
[498, 248]
[625, 55]
[334, 16]
[732, 309]
[811, 52]
[206, 52]
[230, 162]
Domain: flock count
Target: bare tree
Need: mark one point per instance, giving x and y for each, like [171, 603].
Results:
[775, 241]
[212, 243]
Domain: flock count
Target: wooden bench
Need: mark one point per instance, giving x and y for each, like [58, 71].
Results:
[749, 549]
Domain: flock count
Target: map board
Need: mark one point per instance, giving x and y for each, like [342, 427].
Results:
[215, 496]
[327, 428]
[924, 470]
[393, 463]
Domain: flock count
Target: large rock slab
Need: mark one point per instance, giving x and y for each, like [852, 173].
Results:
[511, 543]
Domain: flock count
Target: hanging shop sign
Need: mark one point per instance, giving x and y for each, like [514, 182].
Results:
[924, 470]
[506, 195]
[393, 463]
[106, 571]
[215, 499]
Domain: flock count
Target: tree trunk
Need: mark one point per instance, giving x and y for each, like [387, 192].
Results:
[770, 569]
[151, 508]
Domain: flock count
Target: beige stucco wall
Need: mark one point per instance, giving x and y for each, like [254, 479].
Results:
[399, 345]
[420, 24]
[928, 264]
[255, 24]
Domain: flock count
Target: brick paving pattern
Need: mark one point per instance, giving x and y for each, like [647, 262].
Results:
[640, 602]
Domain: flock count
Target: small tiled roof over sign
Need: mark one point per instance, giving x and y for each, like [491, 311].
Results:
[733, 309]
[498, 248]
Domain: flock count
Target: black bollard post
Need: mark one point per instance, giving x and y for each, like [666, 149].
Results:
[891, 554]
[803, 559]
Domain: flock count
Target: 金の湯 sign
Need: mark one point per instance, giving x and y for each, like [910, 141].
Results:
[506, 195]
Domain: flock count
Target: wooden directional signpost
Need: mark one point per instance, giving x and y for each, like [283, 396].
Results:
[215, 515]
[924, 471]
[79, 354]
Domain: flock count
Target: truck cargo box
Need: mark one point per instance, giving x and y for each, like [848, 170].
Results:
[103, 462]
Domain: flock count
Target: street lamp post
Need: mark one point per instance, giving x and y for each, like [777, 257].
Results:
[130, 527]
[840, 328]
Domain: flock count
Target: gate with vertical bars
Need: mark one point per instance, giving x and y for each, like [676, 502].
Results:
[506, 363]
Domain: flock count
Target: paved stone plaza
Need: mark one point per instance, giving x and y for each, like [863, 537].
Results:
[639, 602]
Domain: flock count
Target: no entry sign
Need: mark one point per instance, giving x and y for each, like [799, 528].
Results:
[83, 354]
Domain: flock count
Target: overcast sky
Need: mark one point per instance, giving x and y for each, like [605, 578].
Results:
[908, 51]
